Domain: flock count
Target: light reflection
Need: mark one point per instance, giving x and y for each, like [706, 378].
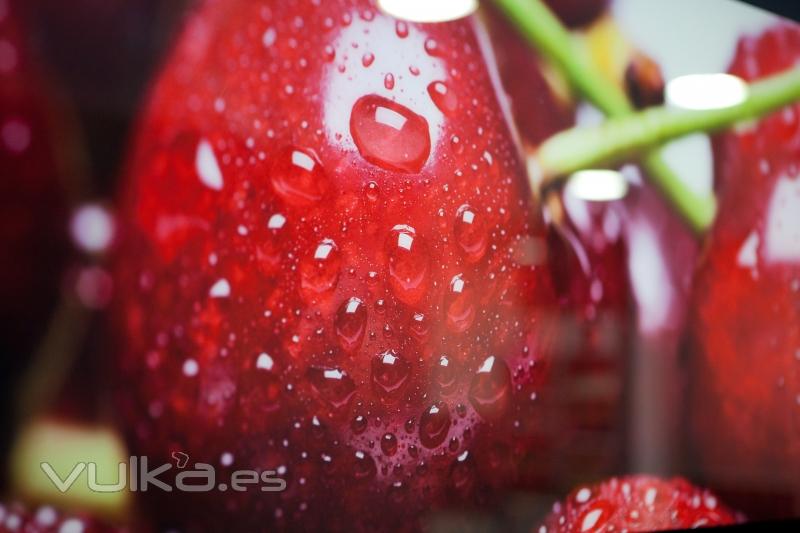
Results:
[705, 91]
[597, 185]
[427, 10]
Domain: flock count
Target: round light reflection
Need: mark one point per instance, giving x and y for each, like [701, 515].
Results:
[428, 10]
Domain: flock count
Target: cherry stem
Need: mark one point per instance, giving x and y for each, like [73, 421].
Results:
[544, 31]
[619, 139]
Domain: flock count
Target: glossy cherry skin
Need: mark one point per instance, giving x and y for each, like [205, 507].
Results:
[637, 503]
[332, 269]
[746, 331]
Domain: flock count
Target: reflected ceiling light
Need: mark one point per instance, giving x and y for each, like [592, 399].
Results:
[428, 10]
[597, 185]
[705, 91]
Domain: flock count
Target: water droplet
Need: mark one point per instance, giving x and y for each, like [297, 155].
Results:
[364, 466]
[459, 305]
[350, 324]
[329, 53]
[413, 70]
[594, 518]
[388, 81]
[390, 135]
[456, 145]
[419, 327]
[368, 59]
[359, 424]
[372, 191]
[298, 177]
[319, 272]
[390, 373]
[434, 425]
[409, 264]
[490, 390]
[470, 233]
[389, 444]
[443, 97]
[333, 385]
[432, 47]
[444, 374]
[401, 28]
[190, 368]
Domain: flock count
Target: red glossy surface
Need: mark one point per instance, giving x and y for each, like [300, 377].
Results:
[637, 503]
[745, 407]
[371, 318]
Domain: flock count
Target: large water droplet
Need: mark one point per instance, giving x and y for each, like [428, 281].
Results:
[459, 305]
[319, 271]
[490, 390]
[298, 177]
[333, 385]
[350, 323]
[434, 425]
[390, 373]
[470, 233]
[409, 264]
[390, 135]
[443, 97]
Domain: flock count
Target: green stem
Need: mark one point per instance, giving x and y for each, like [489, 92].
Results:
[545, 32]
[621, 138]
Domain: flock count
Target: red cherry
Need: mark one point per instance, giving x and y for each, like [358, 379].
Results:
[746, 333]
[637, 503]
[332, 263]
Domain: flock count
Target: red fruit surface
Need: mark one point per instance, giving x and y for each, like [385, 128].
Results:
[588, 255]
[538, 112]
[16, 517]
[637, 503]
[332, 269]
[746, 392]
[32, 198]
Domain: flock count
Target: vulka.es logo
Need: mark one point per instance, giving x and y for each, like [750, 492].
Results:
[137, 476]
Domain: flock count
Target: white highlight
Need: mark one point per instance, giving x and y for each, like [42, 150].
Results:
[92, 228]
[427, 10]
[207, 168]
[265, 362]
[220, 289]
[597, 185]
[705, 91]
[393, 119]
[190, 368]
